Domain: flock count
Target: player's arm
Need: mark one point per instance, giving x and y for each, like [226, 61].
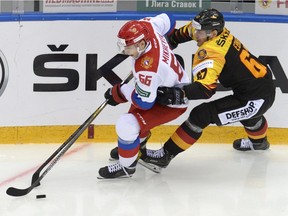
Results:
[145, 92]
[163, 23]
[203, 87]
[205, 76]
[177, 95]
[197, 90]
[181, 35]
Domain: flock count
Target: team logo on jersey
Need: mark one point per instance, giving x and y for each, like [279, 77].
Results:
[202, 54]
[202, 66]
[265, 3]
[147, 62]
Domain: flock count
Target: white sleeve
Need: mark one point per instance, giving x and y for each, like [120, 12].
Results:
[127, 90]
[147, 91]
[162, 23]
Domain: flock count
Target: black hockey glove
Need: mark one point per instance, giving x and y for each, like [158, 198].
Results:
[114, 95]
[170, 96]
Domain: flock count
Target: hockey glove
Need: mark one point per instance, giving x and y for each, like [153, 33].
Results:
[170, 96]
[114, 95]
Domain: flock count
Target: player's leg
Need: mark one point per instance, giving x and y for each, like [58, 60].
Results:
[156, 116]
[256, 130]
[128, 130]
[183, 138]
[222, 111]
[144, 137]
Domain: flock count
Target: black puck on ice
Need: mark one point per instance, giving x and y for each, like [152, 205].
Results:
[40, 196]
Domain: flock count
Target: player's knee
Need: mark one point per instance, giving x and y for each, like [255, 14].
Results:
[200, 116]
[127, 127]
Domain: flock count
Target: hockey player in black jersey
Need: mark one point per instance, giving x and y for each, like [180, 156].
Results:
[221, 57]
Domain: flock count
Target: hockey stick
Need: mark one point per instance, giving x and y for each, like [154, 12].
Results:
[54, 158]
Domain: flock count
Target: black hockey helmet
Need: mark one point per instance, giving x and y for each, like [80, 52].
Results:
[209, 19]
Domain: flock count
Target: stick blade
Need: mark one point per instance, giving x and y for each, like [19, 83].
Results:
[17, 192]
[35, 177]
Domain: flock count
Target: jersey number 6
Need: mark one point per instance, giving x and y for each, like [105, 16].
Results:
[257, 69]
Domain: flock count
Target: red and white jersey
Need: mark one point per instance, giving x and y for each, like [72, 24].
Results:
[156, 66]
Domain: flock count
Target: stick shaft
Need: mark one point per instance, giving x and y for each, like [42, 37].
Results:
[55, 157]
[77, 133]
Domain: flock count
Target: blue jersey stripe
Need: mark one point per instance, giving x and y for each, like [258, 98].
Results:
[139, 103]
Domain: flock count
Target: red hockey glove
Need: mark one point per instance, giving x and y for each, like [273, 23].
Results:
[114, 95]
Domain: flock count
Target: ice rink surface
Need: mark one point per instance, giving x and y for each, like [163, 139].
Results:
[206, 180]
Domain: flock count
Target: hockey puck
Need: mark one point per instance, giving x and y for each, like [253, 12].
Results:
[41, 196]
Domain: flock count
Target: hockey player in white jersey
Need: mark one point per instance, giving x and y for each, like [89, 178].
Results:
[154, 65]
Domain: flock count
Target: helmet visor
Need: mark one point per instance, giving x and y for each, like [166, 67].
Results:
[121, 45]
[196, 25]
[124, 49]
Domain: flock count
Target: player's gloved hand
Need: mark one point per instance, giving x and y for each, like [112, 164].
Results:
[170, 96]
[114, 95]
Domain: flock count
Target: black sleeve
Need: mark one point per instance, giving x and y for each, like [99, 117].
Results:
[177, 36]
[196, 91]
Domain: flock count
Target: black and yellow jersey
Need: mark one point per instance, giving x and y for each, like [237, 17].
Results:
[226, 60]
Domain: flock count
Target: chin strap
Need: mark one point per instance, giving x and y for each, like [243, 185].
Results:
[208, 35]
